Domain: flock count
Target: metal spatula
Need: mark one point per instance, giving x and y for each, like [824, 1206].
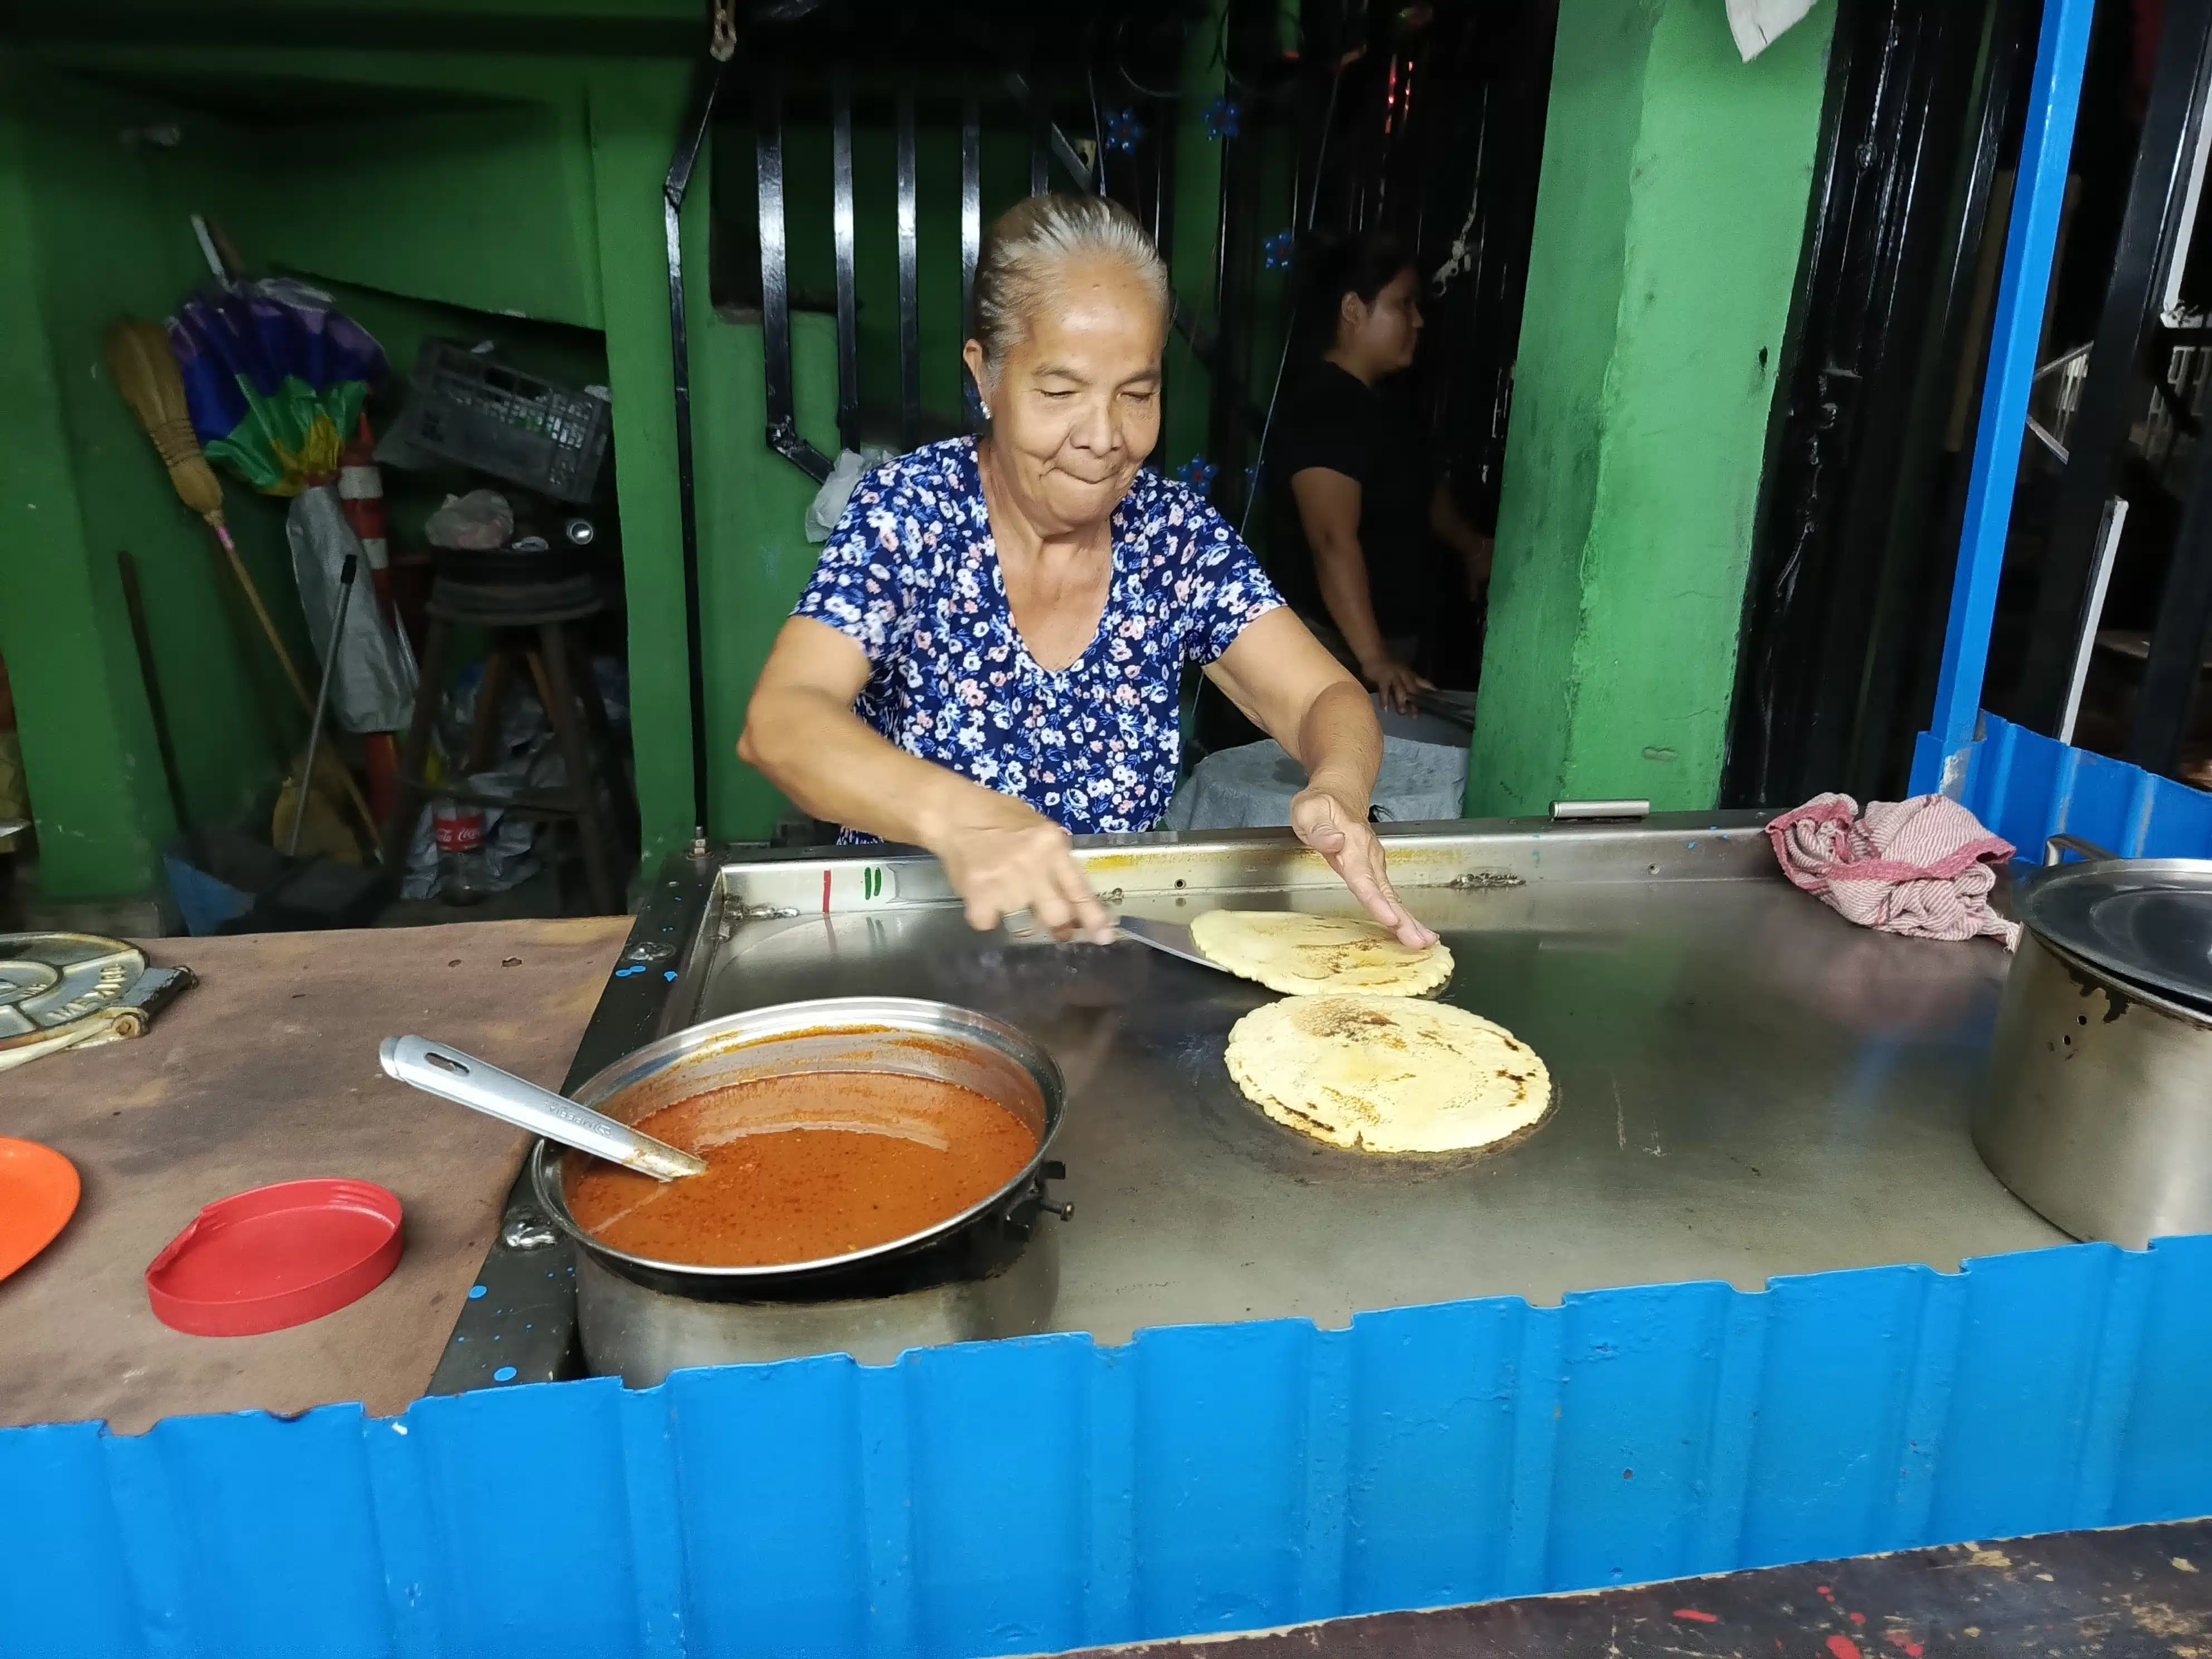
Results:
[438, 1069]
[1170, 937]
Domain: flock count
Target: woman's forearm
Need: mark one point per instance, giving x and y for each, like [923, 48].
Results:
[1341, 567]
[1341, 745]
[1451, 525]
[835, 767]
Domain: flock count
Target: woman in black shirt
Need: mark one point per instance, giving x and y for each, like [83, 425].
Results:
[1363, 505]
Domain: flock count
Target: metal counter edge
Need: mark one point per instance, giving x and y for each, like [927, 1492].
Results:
[518, 1323]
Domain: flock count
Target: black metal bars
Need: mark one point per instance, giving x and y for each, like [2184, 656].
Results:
[776, 283]
[849, 304]
[1049, 147]
[909, 290]
[2097, 445]
[1847, 534]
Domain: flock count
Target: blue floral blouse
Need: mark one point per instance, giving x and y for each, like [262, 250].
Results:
[911, 576]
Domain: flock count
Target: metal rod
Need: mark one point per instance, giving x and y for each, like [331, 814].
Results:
[971, 238]
[2101, 579]
[347, 571]
[2048, 141]
[157, 705]
[1042, 132]
[1048, 136]
[707, 85]
[841, 220]
[1163, 240]
[971, 205]
[909, 286]
[2170, 309]
[1598, 811]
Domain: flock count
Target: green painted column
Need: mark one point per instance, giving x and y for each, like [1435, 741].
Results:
[636, 111]
[1668, 222]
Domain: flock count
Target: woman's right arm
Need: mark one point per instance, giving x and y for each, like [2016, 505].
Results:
[1000, 854]
[1329, 511]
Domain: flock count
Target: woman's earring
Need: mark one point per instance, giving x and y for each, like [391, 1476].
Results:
[985, 407]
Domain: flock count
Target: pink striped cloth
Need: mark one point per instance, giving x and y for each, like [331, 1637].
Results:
[1922, 868]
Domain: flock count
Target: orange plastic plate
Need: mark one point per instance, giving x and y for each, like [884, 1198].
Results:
[38, 1190]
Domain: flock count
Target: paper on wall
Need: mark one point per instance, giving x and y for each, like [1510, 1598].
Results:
[1757, 24]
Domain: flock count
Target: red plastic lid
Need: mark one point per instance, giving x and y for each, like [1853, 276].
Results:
[276, 1257]
[39, 1191]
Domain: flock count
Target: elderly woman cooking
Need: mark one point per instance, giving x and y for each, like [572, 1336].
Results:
[989, 654]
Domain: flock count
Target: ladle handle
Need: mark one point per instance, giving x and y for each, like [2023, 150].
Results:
[437, 1069]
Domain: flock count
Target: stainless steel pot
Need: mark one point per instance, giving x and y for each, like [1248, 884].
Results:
[982, 1274]
[2099, 1108]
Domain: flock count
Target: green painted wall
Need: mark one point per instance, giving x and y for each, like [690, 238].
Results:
[1668, 222]
[97, 229]
[490, 208]
[477, 194]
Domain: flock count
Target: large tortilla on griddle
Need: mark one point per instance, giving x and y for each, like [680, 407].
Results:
[1388, 1074]
[1302, 956]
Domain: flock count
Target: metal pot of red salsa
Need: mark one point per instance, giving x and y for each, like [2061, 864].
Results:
[877, 1178]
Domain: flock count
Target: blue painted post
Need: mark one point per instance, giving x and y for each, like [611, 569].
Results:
[1938, 760]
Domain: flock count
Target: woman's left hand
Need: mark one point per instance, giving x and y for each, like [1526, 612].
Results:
[1331, 825]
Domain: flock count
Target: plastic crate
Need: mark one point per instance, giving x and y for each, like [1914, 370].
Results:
[467, 408]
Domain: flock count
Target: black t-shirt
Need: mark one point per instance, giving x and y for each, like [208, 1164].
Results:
[1333, 421]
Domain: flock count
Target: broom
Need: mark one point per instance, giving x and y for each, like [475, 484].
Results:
[145, 371]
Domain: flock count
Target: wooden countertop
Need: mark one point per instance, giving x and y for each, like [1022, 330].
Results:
[267, 1072]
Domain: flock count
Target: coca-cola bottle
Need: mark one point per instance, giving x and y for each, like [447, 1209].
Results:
[460, 833]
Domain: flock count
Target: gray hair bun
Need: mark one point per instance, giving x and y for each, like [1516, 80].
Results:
[1030, 242]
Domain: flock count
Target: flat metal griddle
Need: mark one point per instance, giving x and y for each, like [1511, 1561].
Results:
[1745, 1085]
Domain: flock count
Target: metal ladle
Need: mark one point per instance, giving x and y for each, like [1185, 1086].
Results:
[445, 1071]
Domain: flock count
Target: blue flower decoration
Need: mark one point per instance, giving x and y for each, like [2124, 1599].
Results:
[1279, 248]
[1198, 473]
[1222, 117]
[1124, 131]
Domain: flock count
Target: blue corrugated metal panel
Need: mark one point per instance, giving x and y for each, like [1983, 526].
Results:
[2026, 786]
[1023, 1496]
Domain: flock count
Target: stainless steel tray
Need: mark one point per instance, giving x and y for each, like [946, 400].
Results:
[1746, 1084]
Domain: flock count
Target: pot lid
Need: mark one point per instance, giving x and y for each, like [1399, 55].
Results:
[2148, 921]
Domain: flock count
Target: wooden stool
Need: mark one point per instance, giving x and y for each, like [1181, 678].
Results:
[533, 625]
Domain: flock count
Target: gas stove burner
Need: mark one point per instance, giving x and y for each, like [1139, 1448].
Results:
[50, 981]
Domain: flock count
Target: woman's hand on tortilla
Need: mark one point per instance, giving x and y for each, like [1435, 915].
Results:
[1007, 861]
[1340, 833]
